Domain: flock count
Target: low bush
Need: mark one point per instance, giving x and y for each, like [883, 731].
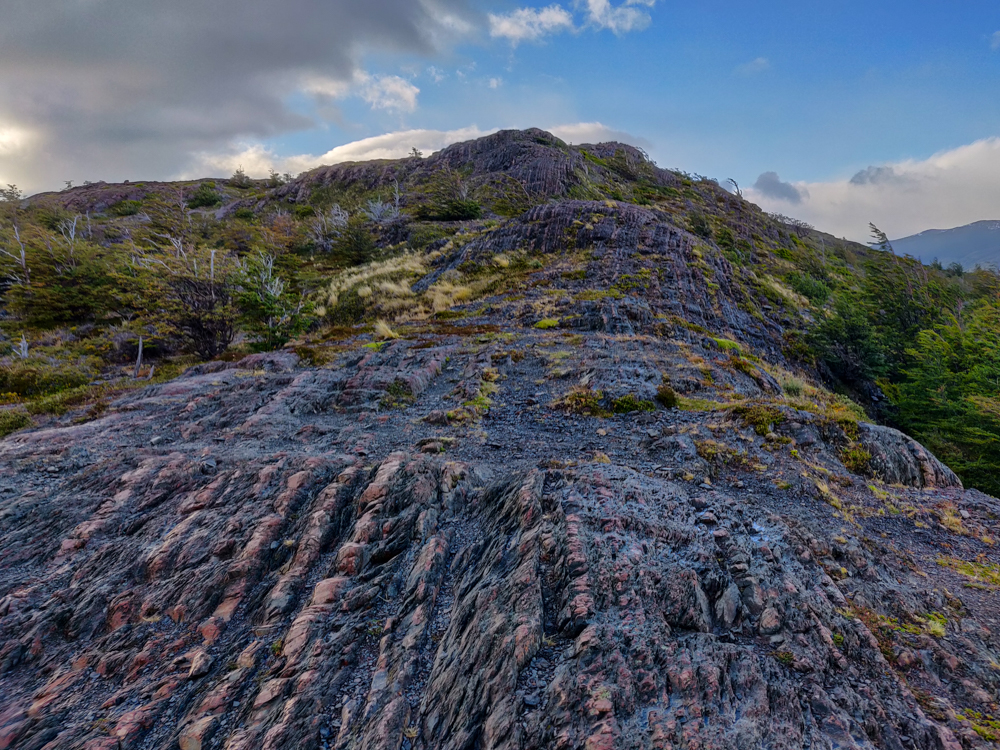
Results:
[204, 197]
[667, 397]
[856, 459]
[35, 377]
[12, 420]
[125, 208]
[762, 417]
[630, 403]
[585, 401]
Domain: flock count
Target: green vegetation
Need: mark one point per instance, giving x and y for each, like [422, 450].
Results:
[126, 208]
[727, 345]
[928, 337]
[981, 574]
[667, 396]
[398, 395]
[13, 420]
[629, 403]
[205, 196]
[787, 658]
[762, 417]
[985, 725]
[585, 401]
[205, 269]
[815, 290]
[856, 459]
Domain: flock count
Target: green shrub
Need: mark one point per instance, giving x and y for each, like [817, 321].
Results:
[856, 459]
[204, 197]
[12, 420]
[545, 323]
[667, 397]
[245, 213]
[584, 400]
[793, 386]
[629, 403]
[700, 225]
[63, 290]
[728, 345]
[736, 362]
[356, 244]
[240, 179]
[125, 208]
[812, 289]
[761, 417]
[35, 377]
[452, 210]
[267, 308]
[445, 197]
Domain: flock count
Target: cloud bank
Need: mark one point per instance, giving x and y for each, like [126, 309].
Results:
[257, 161]
[949, 189]
[114, 89]
[529, 24]
[533, 24]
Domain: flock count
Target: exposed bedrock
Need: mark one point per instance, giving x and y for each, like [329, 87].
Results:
[259, 556]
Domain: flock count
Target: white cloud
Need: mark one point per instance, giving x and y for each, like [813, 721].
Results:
[118, 89]
[758, 65]
[387, 92]
[529, 25]
[618, 19]
[948, 189]
[495, 83]
[995, 41]
[257, 160]
[596, 132]
[331, 88]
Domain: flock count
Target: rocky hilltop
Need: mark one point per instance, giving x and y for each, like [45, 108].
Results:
[591, 501]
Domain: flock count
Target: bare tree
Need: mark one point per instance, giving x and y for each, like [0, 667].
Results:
[138, 361]
[327, 227]
[20, 257]
[381, 212]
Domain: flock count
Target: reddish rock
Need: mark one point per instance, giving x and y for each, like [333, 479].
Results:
[211, 629]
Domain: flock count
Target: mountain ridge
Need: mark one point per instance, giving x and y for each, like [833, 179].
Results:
[969, 245]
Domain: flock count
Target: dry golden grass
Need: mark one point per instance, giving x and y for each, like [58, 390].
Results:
[383, 332]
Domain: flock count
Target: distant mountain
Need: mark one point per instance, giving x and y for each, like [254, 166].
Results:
[977, 243]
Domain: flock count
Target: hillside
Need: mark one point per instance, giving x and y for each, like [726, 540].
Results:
[520, 445]
[970, 245]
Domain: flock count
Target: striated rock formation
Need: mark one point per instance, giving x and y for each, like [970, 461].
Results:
[499, 530]
[259, 557]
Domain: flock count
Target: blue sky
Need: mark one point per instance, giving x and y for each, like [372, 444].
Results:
[809, 90]
[814, 93]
